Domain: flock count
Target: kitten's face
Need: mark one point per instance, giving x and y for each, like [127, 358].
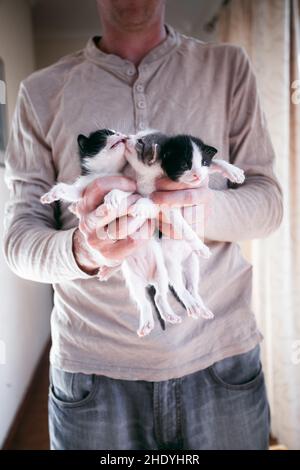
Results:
[186, 159]
[101, 150]
[142, 151]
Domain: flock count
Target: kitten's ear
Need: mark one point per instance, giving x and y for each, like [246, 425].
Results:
[82, 140]
[209, 152]
[155, 150]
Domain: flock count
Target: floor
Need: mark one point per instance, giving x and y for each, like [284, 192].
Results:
[32, 432]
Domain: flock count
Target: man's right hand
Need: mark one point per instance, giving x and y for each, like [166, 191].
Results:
[87, 234]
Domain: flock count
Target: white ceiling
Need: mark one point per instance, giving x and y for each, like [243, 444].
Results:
[67, 18]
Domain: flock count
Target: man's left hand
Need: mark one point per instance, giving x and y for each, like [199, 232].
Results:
[181, 195]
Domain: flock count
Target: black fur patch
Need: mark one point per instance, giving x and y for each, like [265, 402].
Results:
[92, 145]
[176, 155]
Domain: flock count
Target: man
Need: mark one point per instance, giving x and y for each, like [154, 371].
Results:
[198, 385]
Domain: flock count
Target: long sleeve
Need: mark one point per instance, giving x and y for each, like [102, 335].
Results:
[33, 247]
[254, 209]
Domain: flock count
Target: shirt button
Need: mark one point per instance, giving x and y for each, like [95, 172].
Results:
[141, 104]
[130, 72]
[140, 88]
[142, 125]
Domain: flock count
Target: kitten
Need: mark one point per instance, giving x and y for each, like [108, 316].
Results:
[101, 154]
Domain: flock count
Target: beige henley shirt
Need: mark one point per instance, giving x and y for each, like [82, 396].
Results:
[183, 85]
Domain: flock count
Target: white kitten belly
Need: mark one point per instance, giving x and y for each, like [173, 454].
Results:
[178, 250]
[143, 262]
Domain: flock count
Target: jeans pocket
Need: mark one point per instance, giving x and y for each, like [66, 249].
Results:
[240, 372]
[71, 389]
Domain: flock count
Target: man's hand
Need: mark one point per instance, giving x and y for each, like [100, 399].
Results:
[91, 224]
[186, 197]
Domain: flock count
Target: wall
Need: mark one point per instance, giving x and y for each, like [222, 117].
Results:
[64, 26]
[25, 306]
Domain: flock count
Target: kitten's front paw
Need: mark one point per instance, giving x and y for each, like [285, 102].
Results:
[143, 208]
[52, 195]
[235, 174]
[203, 251]
[114, 199]
[62, 191]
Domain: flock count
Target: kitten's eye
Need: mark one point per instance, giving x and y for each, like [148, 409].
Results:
[140, 144]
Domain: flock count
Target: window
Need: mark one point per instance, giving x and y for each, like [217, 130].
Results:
[3, 117]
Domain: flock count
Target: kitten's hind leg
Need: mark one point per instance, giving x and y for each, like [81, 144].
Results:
[193, 303]
[185, 231]
[161, 284]
[192, 275]
[137, 288]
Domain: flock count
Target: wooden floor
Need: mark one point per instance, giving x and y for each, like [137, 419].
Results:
[32, 428]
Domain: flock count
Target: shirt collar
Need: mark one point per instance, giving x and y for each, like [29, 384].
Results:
[94, 54]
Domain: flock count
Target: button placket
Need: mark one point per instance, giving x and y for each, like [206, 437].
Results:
[140, 104]
[130, 71]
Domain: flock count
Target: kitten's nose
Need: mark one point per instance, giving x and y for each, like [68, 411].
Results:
[196, 177]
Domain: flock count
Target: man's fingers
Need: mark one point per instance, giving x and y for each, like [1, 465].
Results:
[97, 189]
[126, 226]
[123, 248]
[165, 184]
[103, 210]
[180, 198]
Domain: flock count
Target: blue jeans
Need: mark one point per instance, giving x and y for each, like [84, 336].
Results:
[222, 407]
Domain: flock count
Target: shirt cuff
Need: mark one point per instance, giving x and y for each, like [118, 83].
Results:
[71, 263]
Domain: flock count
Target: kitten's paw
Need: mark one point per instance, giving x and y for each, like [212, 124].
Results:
[172, 318]
[143, 208]
[54, 194]
[203, 252]
[206, 313]
[114, 199]
[49, 197]
[145, 328]
[60, 191]
[195, 307]
[235, 174]
[102, 210]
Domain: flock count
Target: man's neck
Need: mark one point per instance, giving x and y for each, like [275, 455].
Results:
[132, 46]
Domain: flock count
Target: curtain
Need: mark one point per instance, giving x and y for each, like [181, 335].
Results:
[269, 30]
